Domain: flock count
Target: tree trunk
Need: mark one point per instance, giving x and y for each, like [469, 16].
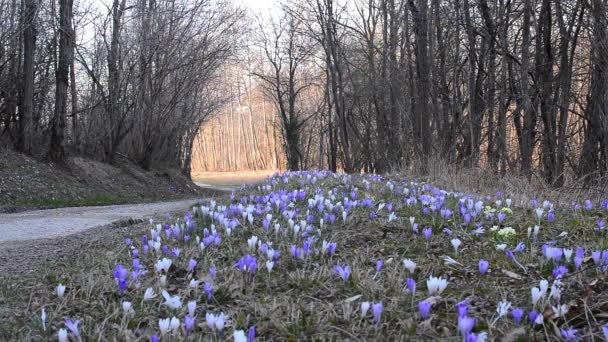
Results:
[66, 55]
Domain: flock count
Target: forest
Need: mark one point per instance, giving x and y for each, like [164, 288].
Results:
[363, 85]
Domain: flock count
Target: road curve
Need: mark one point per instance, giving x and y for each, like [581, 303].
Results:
[52, 223]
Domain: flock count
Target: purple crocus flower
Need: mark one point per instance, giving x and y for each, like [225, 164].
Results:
[209, 290]
[372, 215]
[154, 338]
[247, 263]
[517, 314]
[295, 251]
[596, 256]
[191, 265]
[501, 217]
[251, 334]
[550, 216]
[377, 311]
[424, 308]
[463, 308]
[189, 323]
[165, 250]
[128, 242]
[483, 266]
[411, 285]
[569, 335]
[120, 276]
[72, 326]
[559, 271]
[212, 271]
[465, 324]
[144, 239]
[379, 265]
[331, 248]
[601, 224]
[532, 316]
[427, 233]
[343, 271]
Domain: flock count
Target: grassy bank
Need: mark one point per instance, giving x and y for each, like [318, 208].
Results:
[266, 258]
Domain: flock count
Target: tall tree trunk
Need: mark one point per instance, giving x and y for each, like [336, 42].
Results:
[26, 114]
[66, 55]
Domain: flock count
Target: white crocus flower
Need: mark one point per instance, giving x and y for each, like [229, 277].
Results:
[269, 265]
[194, 283]
[436, 286]
[163, 265]
[239, 336]
[252, 242]
[149, 294]
[364, 308]
[409, 265]
[62, 335]
[174, 324]
[43, 319]
[191, 308]
[456, 243]
[501, 247]
[503, 308]
[174, 302]
[59, 290]
[127, 307]
[164, 325]
[536, 295]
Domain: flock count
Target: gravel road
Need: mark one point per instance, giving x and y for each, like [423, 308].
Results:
[51, 223]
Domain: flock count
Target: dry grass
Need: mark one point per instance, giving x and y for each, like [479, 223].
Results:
[521, 189]
[303, 299]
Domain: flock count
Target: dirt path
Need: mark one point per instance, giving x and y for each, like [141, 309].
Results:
[44, 224]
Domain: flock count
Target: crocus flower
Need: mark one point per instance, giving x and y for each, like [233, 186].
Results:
[436, 285]
[127, 307]
[364, 308]
[189, 322]
[247, 263]
[191, 265]
[72, 326]
[424, 308]
[149, 294]
[154, 338]
[409, 265]
[343, 271]
[174, 302]
[251, 334]
[379, 265]
[465, 325]
[377, 311]
[208, 290]
[569, 334]
[427, 233]
[62, 335]
[60, 290]
[456, 243]
[463, 308]
[43, 319]
[517, 314]
[483, 266]
[212, 271]
[174, 323]
[411, 285]
[239, 336]
[605, 328]
[532, 316]
[503, 308]
[192, 307]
